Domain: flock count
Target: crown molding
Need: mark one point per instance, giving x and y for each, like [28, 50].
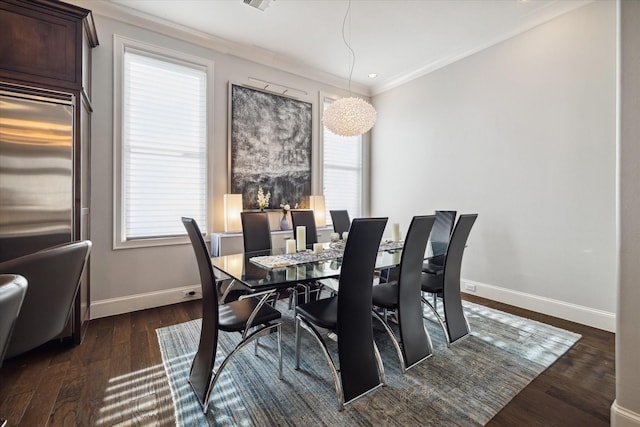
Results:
[548, 13]
[262, 56]
[284, 63]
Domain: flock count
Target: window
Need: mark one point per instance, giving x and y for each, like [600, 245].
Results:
[162, 144]
[342, 171]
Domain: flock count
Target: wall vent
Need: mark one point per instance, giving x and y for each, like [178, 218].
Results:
[258, 4]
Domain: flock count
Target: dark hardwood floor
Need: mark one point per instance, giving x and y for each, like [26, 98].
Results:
[116, 377]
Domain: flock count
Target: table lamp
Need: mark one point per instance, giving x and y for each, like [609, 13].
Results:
[316, 204]
[232, 209]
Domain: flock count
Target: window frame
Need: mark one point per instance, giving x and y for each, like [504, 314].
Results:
[365, 179]
[120, 45]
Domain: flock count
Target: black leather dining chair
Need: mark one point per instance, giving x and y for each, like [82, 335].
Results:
[441, 233]
[237, 316]
[256, 233]
[403, 296]
[53, 275]
[349, 316]
[341, 221]
[447, 282]
[439, 241]
[12, 291]
[305, 217]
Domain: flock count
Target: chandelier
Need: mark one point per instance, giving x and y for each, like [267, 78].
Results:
[349, 116]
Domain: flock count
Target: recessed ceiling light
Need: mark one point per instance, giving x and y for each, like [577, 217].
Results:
[372, 75]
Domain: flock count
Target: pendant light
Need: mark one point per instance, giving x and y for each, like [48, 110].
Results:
[349, 116]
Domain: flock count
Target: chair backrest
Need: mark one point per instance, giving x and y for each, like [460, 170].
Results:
[305, 217]
[409, 280]
[53, 276]
[355, 334]
[441, 233]
[203, 362]
[255, 231]
[341, 221]
[452, 267]
[12, 291]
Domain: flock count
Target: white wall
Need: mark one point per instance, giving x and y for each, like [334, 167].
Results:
[522, 133]
[130, 279]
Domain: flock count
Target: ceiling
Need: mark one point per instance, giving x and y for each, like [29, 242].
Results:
[396, 39]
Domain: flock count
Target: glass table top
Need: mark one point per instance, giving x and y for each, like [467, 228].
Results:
[257, 277]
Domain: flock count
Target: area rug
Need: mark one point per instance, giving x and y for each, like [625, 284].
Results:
[465, 384]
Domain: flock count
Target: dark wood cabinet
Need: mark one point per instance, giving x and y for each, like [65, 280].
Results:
[46, 45]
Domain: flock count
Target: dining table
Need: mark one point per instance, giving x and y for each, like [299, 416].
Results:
[264, 273]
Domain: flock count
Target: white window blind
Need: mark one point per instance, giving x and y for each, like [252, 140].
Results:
[164, 145]
[342, 172]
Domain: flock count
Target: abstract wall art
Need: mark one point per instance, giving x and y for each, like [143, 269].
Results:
[270, 139]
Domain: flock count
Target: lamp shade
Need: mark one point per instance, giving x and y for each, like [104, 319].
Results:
[349, 116]
[316, 204]
[232, 209]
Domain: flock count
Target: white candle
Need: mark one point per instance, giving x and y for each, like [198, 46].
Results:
[335, 237]
[345, 234]
[395, 232]
[291, 246]
[395, 257]
[317, 248]
[301, 234]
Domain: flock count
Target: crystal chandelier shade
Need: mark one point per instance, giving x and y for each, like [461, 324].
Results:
[349, 116]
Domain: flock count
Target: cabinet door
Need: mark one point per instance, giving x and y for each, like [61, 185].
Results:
[48, 47]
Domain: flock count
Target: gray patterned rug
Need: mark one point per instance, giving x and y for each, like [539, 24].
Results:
[466, 384]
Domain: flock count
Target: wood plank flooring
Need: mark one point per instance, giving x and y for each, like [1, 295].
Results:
[116, 377]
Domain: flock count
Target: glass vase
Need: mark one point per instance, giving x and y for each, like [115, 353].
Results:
[284, 223]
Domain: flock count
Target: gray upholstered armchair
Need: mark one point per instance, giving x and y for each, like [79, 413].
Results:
[53, 276]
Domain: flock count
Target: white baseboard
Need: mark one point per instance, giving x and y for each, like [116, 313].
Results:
[127, 304]
[575, 313]
[564, 310]
[622, 417]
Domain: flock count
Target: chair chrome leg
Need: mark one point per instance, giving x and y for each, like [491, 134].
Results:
[429, 340]
[280, 350]
[332, 367]
[230, 286]
[265, 330]
[393, 340]
[442, 325]
[297, 366]
[383, 378]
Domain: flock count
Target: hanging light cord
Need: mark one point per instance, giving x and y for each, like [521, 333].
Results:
[344, 38]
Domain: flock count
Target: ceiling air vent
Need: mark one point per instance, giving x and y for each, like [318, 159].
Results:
[258, 4]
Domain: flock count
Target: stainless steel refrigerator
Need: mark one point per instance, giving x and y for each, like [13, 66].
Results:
[36, 171]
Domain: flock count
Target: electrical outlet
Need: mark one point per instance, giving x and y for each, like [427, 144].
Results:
[470, 287]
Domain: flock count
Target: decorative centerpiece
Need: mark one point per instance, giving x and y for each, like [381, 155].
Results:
[284, 223]
[263, 200]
